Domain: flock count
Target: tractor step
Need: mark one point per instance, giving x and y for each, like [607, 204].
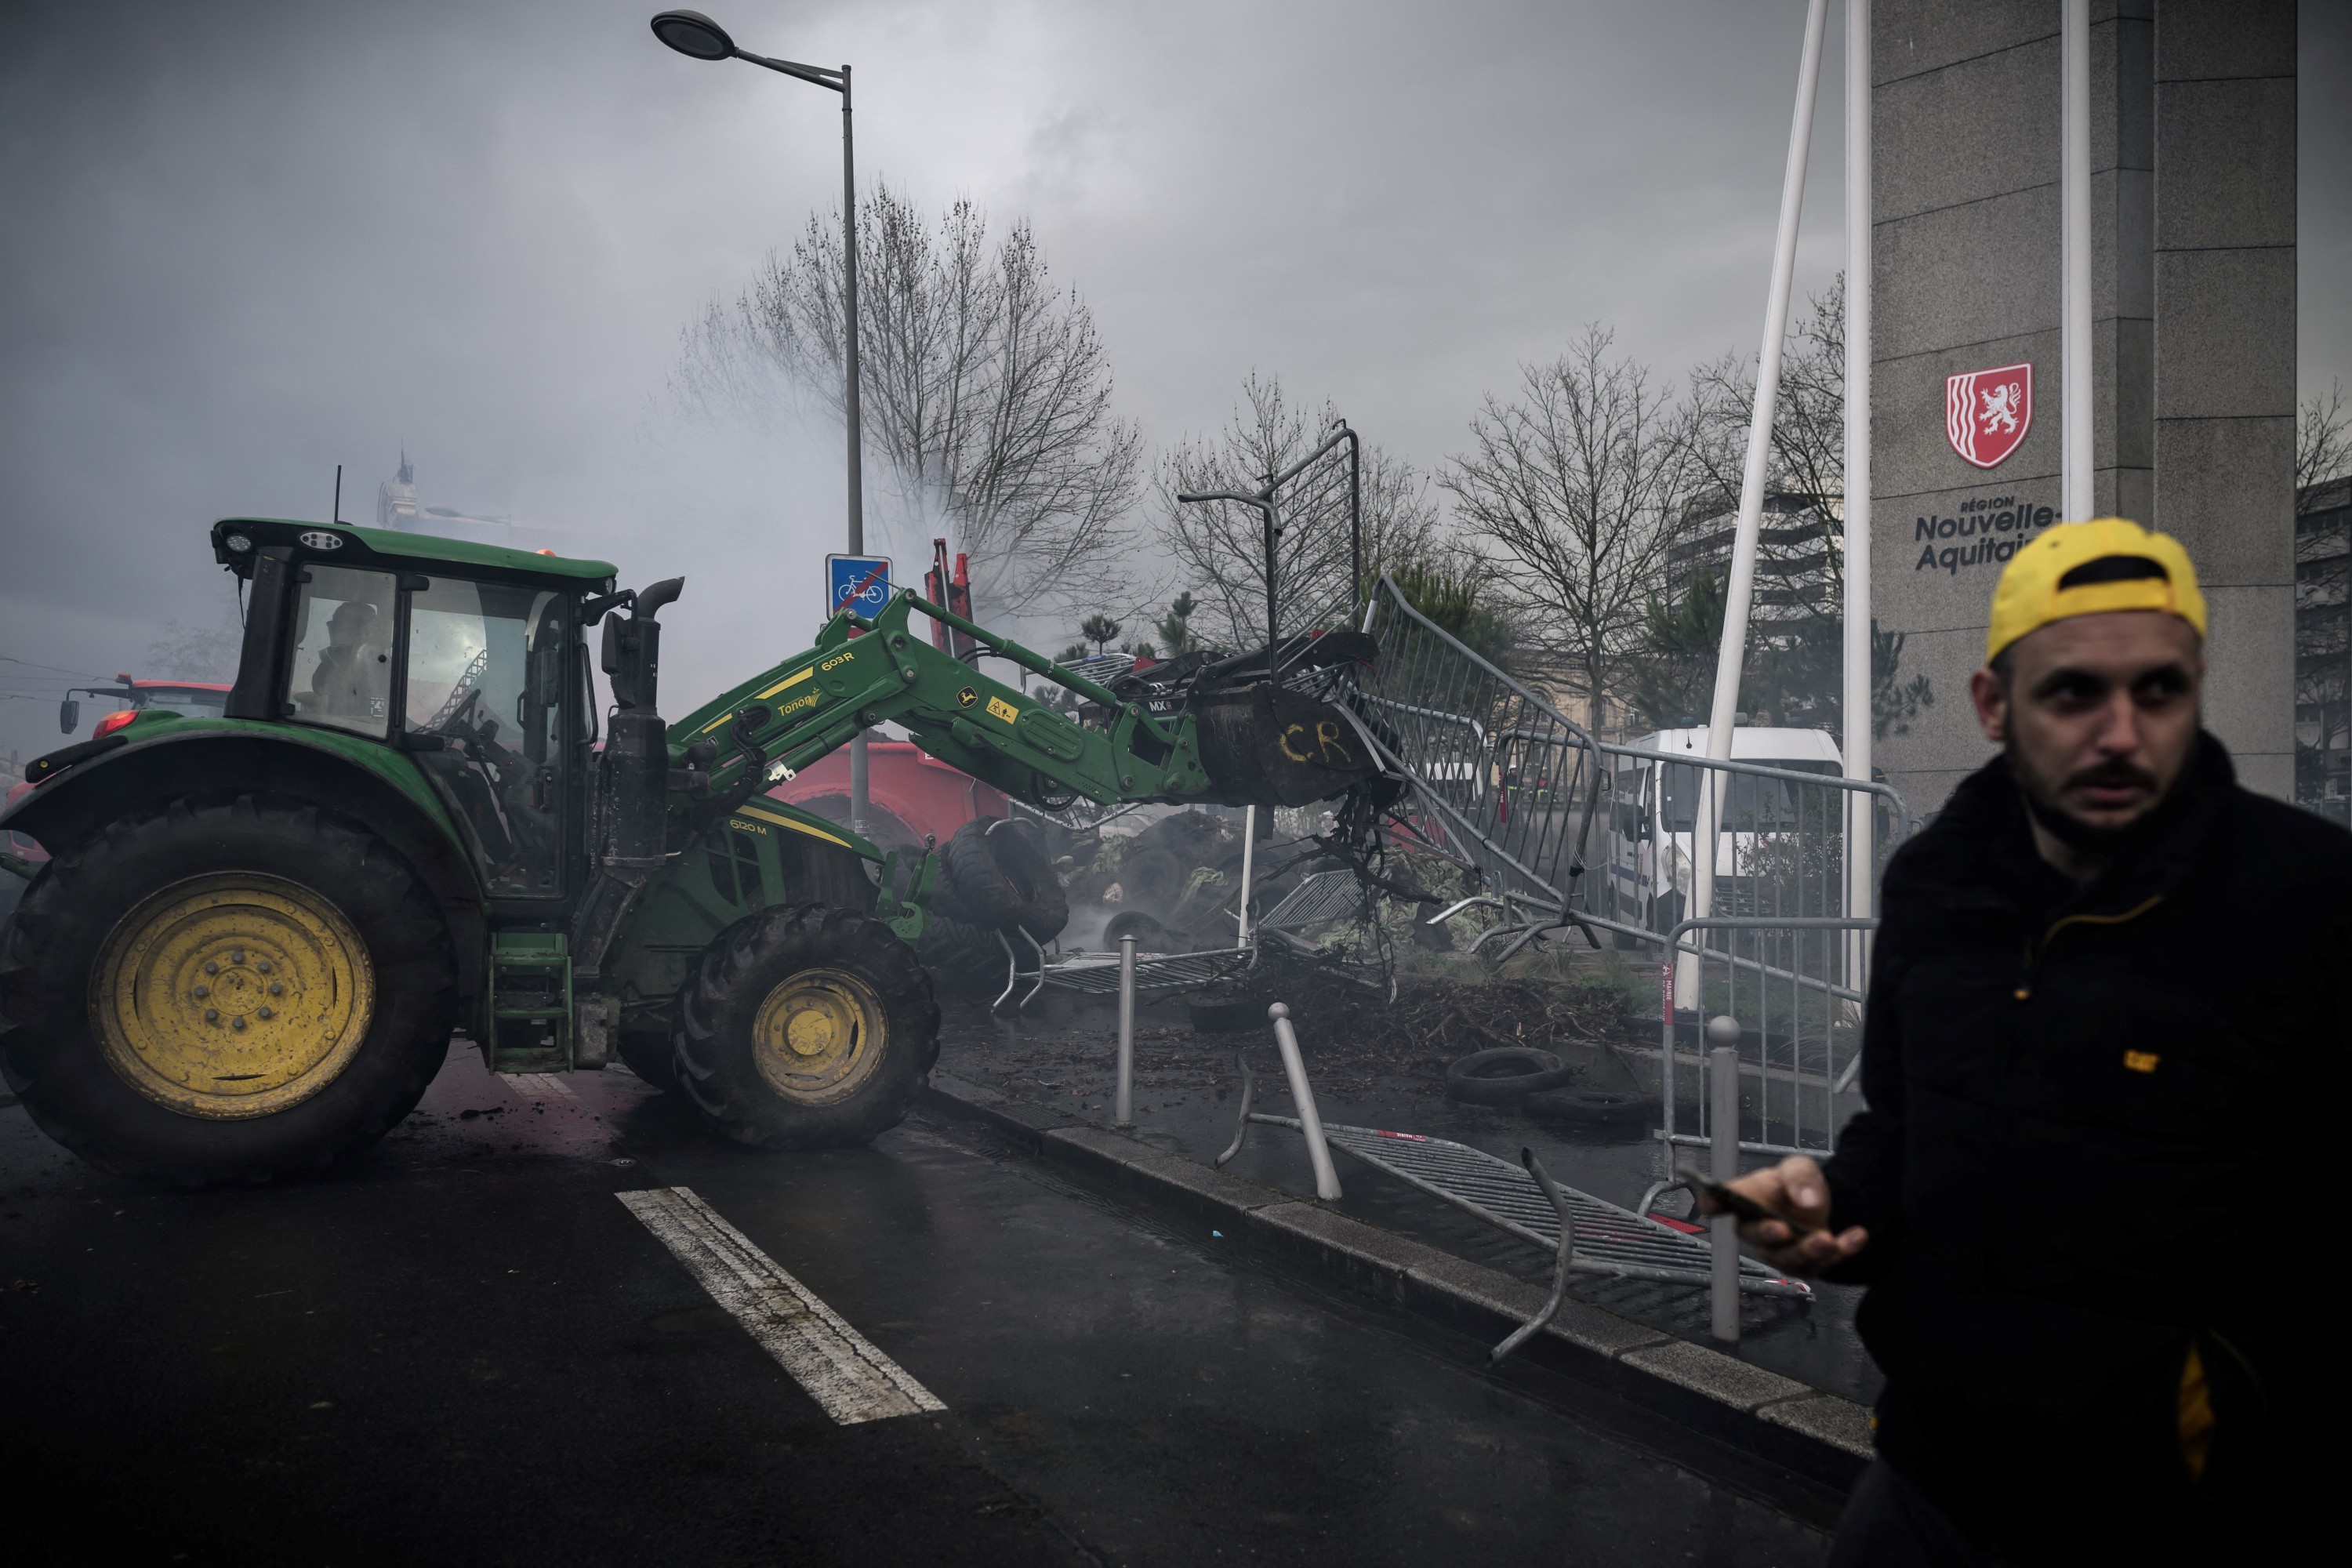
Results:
[531, 1003]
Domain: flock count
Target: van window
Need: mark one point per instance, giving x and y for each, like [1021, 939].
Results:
[1749, 802]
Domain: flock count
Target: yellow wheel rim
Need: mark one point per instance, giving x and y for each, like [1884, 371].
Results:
[232, 996]
[819, 1037]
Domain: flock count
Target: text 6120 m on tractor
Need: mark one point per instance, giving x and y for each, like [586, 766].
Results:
[257, 933]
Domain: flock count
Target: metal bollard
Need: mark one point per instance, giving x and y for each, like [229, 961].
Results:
[1327, 1180]
[1723, 1127]
[1249, 858]
[1123, 1104]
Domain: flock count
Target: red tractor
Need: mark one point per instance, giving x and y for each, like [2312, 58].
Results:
[910, 794]
[205, 699]
[200, 698]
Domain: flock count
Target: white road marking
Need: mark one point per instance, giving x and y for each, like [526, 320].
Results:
[544, 1083]
[842, 1372]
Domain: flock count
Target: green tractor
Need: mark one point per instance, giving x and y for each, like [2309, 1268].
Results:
[257, 933]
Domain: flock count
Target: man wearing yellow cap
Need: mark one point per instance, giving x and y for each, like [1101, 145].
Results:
[2105, 983]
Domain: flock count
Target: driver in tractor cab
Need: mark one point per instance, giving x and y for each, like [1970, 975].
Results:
[353, 671]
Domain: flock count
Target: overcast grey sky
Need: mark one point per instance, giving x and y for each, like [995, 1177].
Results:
[245, 242]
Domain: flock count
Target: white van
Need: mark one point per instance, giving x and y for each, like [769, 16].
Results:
[1654, 806]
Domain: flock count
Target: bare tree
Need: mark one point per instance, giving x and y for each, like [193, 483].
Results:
[1576, 480]
[1219, 547]
[2322, 440]
[1801, 555]
[195, 653]
[2322, 598]
[983, 386]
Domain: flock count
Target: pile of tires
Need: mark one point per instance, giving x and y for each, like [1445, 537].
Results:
[996, 881]
[1172, 885]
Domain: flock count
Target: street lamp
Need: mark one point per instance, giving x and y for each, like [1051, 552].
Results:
[696, 35]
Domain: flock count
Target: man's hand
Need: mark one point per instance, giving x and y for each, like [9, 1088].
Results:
[1794, 1187]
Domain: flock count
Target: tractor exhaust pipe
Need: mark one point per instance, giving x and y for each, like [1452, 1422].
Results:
[632, 796]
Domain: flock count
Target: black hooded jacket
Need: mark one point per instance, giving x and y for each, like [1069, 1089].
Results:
[2094, 1144]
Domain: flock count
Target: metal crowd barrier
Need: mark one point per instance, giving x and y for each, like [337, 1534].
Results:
[1563, 830]
[1503, 782]
[1309, 524]
[1802, 1051]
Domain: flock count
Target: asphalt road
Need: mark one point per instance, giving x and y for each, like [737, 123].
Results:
[465, 1348]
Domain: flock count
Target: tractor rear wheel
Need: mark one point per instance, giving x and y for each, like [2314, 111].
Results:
[806, 1027]
[228, 992]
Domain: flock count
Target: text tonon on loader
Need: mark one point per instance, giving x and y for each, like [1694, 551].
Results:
[257, 933]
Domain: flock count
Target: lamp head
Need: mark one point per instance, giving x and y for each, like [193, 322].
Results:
[692, 33]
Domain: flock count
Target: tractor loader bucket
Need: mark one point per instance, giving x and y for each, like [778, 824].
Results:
[1266, 745]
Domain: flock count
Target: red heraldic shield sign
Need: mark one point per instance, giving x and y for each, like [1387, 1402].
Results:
[1987, 412]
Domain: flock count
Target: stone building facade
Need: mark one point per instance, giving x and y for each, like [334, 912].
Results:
[2193, 219]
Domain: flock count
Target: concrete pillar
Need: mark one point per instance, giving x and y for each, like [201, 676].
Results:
[2224, 89]
[2192, 157]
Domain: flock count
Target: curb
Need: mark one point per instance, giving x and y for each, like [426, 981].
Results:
[1822, 1437]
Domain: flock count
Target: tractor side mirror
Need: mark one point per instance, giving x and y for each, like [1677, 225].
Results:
[69, 716]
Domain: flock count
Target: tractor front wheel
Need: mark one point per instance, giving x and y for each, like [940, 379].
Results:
[228, 992]
[806, 1027]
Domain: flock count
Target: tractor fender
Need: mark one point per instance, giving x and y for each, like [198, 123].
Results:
[232, 759]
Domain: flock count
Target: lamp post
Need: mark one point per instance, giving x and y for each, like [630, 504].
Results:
[696, 35]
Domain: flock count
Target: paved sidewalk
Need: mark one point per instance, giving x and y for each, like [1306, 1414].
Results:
[1186, 1089]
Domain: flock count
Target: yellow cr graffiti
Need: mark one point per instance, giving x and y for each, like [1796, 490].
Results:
[1327, 742]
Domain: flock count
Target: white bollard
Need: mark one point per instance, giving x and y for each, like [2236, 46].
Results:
[1327, 1180]
[1723, 1127]
[1123, 1104]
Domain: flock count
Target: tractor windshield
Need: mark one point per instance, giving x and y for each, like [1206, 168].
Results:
[487, 676]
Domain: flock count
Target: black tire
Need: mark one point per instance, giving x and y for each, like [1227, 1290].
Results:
[1504, 1076]
[1150, 935]
[58, 1044]
[1592, 1107]
[997, 873]
[964, 961]
[1151, 880]
[886, 1016]
[649, 1056]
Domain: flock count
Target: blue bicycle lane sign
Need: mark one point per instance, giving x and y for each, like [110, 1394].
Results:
[843, 573]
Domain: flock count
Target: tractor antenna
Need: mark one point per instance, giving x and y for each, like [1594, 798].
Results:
[337, 514]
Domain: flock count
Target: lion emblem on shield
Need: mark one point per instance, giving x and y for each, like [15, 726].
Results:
[1999, 411]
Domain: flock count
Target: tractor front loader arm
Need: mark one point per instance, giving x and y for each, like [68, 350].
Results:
[863, 673]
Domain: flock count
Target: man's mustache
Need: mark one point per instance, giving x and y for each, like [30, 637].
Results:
[2112, 775]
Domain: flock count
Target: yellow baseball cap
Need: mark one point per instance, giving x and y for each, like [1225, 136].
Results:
[2055, 577]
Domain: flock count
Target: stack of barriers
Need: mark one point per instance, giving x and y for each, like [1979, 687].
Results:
[1731, 875]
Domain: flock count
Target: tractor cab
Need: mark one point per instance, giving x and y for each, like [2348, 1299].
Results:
[466, 657]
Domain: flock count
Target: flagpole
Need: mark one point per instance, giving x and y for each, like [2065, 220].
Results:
[2076, 498]
[1861, 858]
[1729, 656]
